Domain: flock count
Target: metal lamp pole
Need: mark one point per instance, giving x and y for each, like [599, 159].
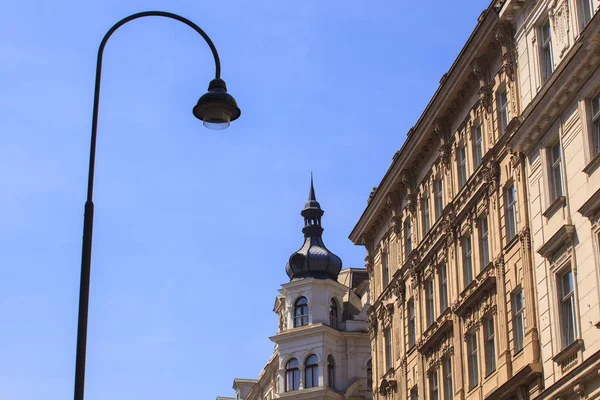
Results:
[216, 109]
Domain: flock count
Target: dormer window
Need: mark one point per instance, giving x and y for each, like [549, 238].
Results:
[333, 314]
[301, 312]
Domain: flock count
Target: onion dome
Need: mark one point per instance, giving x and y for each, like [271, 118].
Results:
[313, 260]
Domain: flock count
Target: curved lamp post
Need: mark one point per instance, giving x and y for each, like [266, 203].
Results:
[216, 109]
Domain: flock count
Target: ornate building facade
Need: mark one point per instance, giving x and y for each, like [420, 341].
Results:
[558, 135]
[447, 236]
[322, 347]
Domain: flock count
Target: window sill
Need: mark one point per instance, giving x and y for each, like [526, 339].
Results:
[511, 242]
[490, 374]
[556, 205]
[568, 352]
[411, 349]
[592, 165]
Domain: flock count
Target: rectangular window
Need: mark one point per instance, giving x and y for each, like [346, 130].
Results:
[596, 123]
[472, 360]
[447, 371]
[439, 198]
[478, 146]
[547, 60]
[385, 270]
[569, 329]
[430, 312]
[511, 213]
[556, 171]
[484, 242]
[407, 236]
[411, 324]
[425, 206]
[518, 306]
[467, 260]
[433, 386]
[503, 110]
[587, 9]
[462, 166]
[490, 346]
[387, 338]
[414, 393]
[443, 288]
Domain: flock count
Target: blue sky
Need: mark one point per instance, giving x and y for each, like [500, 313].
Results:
[193, 228]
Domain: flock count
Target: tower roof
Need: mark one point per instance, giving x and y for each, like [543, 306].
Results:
[313, 259]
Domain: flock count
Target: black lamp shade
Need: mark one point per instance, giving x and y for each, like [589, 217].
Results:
[217, 108]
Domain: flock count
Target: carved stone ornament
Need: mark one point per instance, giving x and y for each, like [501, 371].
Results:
[499, 264]
[525, 238]
[508, 65]
[397, 224]
[371, 323]
[412, 202]
[486, 98]
[399, 290]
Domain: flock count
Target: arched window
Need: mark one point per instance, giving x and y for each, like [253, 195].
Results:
[333, 314]
[370, 375]
[330, 371]
[311, 372]
[292, 375]
[301, 312]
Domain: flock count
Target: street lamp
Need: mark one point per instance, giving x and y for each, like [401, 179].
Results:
[216, 109]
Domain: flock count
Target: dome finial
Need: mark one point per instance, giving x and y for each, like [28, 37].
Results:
[311, 194]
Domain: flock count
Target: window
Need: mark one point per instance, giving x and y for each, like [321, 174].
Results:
[556, 171]
[301, 312]
[569, 330]
[511, 213]
[490, 346]
[472, 359]
[439, 197]
[462, 166]
[484, 242]
[587, 9]
[596, 123]
[447, 371]
[387, 338]
[292, 375]
[478, 145]
[518, 320]
[425, 206]
[503, 110]
[311, 372]
[433, 386]
[467, 260]
[414, 393]
[333, 314]
[411, 324]
[407, 236]
[443, 288]
[430, 313]
[331, 372]
[370, 375]
[385, 269]
[547, 61]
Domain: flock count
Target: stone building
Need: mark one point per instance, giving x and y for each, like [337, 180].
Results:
[447, 236]
[558, 134]
[322, 347]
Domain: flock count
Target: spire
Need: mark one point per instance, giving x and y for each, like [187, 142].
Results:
[313, 259]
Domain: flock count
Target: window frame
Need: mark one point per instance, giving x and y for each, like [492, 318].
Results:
[438, 187]
[510, 208]
[293, 372]
[564, 298]
[370, 374]
[412, 329]
[467, 259]
[503, 110]
[518, 315]
[555, 164]
[301, 319]
[426, 214]
[447, 372]
[595, 123]
[313, 369]
[484, 241]
[333, 313]
[490, 345]
[472, 360]
[429, 302]
[434, 389]
[477, 145]
[586, 17]
[546, 53]
[461, 158]
[388, 348]
[443, 272]
[331, 371]
[385, 270]
[408, 235]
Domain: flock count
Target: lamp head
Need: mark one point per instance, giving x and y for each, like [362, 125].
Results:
[217, 108]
